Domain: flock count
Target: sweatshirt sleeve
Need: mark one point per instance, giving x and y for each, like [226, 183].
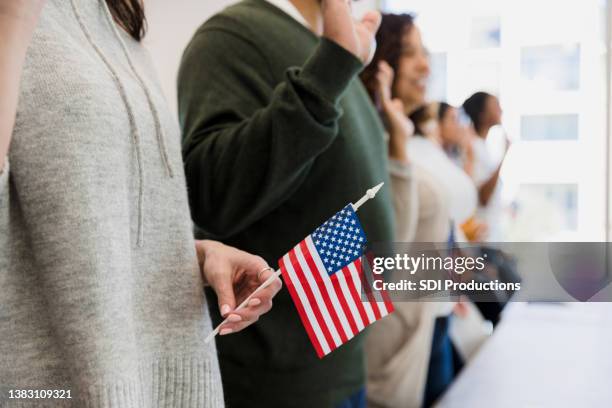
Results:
[405, 200]
[248, 145]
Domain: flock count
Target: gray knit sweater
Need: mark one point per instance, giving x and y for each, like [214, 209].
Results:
[100, 292]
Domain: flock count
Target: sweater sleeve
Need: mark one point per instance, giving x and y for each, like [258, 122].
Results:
[405, 200]
[249, 145]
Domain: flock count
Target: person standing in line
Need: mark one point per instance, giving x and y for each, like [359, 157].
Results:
[101, 281]
[485, 112]
[399, 347]
[273, 113]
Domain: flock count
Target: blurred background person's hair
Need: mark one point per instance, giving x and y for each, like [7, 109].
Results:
[484, 111]
[399, 45]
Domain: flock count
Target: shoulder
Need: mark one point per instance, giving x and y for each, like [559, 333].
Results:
[249, 20]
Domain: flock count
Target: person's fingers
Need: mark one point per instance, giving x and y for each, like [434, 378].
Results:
[242, 318]
[251, 314]
[337, 16]
[371, 21]
[224, 288]
[252, 264]
[398, 105]
[233, 328]
[275, 285]
[385, 67]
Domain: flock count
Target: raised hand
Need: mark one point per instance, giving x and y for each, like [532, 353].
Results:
[400, 128]
[358, 37]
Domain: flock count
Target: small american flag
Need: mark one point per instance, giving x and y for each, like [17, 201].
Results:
[323, 274]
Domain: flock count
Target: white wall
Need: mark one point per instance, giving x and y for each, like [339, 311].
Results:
[171, 25]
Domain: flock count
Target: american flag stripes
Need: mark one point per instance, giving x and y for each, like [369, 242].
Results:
[323, 274]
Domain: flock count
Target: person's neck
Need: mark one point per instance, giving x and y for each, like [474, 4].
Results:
[311, 11]
[411, 108]
[484, 131]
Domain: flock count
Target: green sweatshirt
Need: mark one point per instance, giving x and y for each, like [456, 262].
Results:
[279, 134]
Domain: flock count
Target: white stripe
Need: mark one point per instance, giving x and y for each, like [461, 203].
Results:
[349, 299]
[329, 286]
[357, 282]
[380, 302]
[382, 307]
[317, 294]
[304, 300]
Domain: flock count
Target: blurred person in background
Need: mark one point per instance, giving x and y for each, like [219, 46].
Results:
[485, 112]
[409, 354]
[429, 152]
[279, 135]
[456, 139]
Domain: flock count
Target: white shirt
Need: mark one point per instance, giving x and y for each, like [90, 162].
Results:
[461, 194]
[288, 7]
[484, 167]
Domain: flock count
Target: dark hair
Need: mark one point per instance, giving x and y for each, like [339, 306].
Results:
[419, 117]
[130, 16]
[443, 108]
[430, 111]
[389, 48]
[474, 107]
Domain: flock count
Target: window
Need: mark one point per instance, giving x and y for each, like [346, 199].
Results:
[486, 32]
[549, 127]
[542, 211]
[545, 60]
[554, 67]
[436, 87]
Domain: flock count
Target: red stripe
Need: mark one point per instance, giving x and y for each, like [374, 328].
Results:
[387, 300]
[343, 302]
[323, 290]
[366, 284]
[300, 308]
[311, 300]
[351, 285]
[383, 293]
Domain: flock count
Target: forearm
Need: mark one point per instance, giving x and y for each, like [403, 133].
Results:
[486, 190]
[17, 22]
[275, 144]
[397, 149]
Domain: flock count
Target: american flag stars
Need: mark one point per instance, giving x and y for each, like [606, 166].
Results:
[340, 240]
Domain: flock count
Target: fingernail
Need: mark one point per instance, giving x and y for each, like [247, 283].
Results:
[254, 302]
[234, 318]
[225, 309]
[223, 332]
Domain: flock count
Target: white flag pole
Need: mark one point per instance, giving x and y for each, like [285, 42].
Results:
[370, 194]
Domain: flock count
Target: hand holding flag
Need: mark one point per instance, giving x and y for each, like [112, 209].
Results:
[323, 274]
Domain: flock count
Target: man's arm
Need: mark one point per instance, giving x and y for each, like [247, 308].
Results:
[248, 147]
[243, 158]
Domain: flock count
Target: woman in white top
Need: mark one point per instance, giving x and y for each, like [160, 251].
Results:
[398, 347]
[428, 152]
[485, 112]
